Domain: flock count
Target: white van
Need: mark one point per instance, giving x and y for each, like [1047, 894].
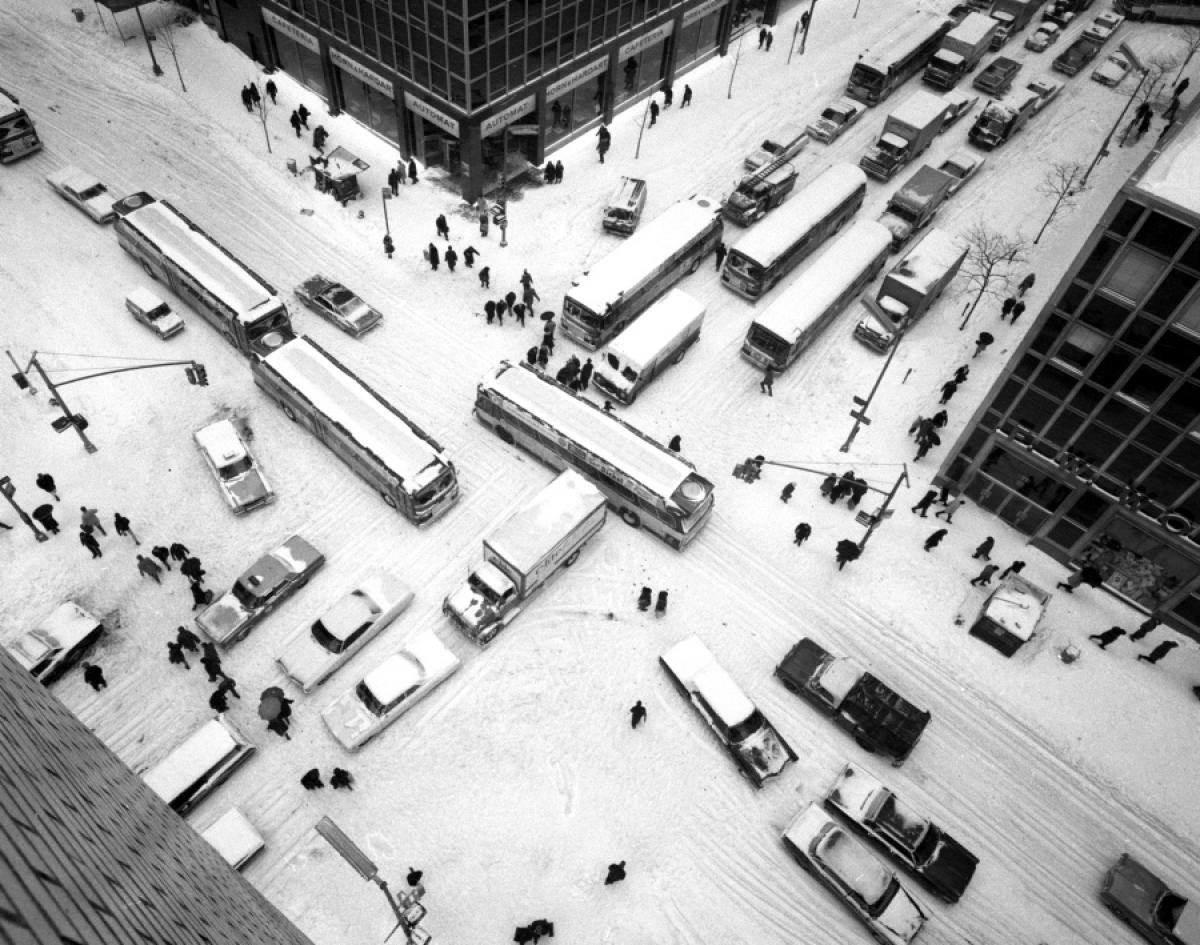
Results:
[192, 769]
[234, 837]
[659, 337]
[625, 206]
[153, 312]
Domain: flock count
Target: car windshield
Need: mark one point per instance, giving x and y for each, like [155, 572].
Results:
[367, 698]
[900, 823]
[236, 468]
[747, 727]
[1168, 909]
[95, 190]
[341, 297]
[345, 622]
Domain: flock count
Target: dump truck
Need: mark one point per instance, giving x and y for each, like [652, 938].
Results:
[915, 204]
[1012, 16]
[880, 719]
[1002, 119]
[961, 50]
[542, 537]
[909, 289]
[908, 131]
[759, 192]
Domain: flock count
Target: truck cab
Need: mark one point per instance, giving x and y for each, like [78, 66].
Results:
[759, 192]
[915, 204]
[484, 602]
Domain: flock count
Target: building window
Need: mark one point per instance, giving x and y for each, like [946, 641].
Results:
[1162, 234]
[1056, 382]
[1121, 417]
[1176, 350]
[1080, 346]
[1146, 385]
[1104, 313]
[1189, 318]
[1139, 333]
[1104, 251]
[1171, 293]
[1134, 274]
[1167, 484]
[1183, 407]
[1114, 365]
[1123, 222]
[1129, 464]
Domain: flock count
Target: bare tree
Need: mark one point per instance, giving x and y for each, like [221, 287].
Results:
[166, 31]
[1157, 66]
[1063, 182]
[989, 256]
[1191, 42]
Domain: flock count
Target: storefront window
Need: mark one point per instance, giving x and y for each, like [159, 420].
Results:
[370, 106]
[301, 63]
[575, 108]
[698, 39]
[1136, 564]
[641, 71]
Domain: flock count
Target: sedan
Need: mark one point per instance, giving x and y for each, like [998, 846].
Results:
[962, 166]
[1137, 896]
[315, 651]
[1046, 90]
[855, 876]
[1103, 27]
[238, 475]
[390, 690]
[1112, 71]
[85, 191]
[940, 861]
[58, 642]
[836, 119]
[1043, 37]
[335, 303]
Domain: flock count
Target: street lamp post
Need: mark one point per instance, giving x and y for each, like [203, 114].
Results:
[1103, 152]
[146, 36]
[56, 400]
[860, 415]
[736, 58]
[8, 490]
[386, 194]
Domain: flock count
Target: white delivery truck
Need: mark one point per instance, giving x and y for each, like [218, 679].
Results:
[660, 337]
[546, 534]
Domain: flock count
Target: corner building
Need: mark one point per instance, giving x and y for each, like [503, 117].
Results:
[1090, 441]
[484, 88]
[91, 856]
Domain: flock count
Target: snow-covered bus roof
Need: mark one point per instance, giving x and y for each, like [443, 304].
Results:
[920, 108]
[641, 255]
[902, 43]
[655, 328]
[346, 400]
[546, 519]
[814, 290]
[600, 433]
[928, 261]
[203, 258]
[778, 231]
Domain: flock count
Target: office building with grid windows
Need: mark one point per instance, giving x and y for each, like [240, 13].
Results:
[1089, 442]
[89, 855]
[484, 88]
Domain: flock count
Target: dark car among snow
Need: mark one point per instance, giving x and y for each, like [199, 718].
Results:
[337, 304]
[1137, 896]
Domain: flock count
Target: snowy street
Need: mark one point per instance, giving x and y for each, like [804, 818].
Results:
[519, 780]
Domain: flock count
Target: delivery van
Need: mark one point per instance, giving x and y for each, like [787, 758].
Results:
[198, 764]
[625, 206]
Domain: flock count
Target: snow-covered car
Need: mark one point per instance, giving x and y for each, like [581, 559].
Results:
[938, 860]
[1079, 54]
[836, 118]
[1043, 37]
[153, 312]
[1102, 28]
[962, 166]
[1112, 70]
[759, 750]
[315, 651]
[262, 587]
[85, 191]
[57, 642]
[389, 690]
[242, 483]
[958, 103]
[1046, 90]
[1060, 13]
[337, 304]
[1135, 895]
[844, 864]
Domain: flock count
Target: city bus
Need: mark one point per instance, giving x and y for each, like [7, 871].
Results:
[647, 484]
[370, 435]
[777, 245]
[18, 137]
[623, 284]
[818, 295]
[1164, 11]
[906, 52]
[233, 298]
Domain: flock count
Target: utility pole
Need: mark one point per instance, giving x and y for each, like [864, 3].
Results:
[637, 152]
[386, 194]
[737, 58]
[8, 490]
[806, 23]
[860, 415]
[883, 509]
[1103, 152]
[146, 36]
[56, 400]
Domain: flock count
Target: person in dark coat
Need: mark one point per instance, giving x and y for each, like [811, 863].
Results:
[45, 482]
[858, 489]
[217, 702]
[1026, 284]
[294, 121]
[163, 554]
[393, 180]
[519, 311]
[91, 519]
[302, 113]
[44, 516]
[414, 877]
[443, 228]
[687, 97]
[191, 568]
[828, 484]
[940, 419]
[644, 597]
[1159, 651]
[489, 309]
[786, 494]
[531, 356]
[149, 569]
[469, 255]
[186, 639]
[212, 666]
[228, 687]
[926, 443]
[984, 577]
[255, 96]
[279, 726]
[341, 778]
[558, 172]
[720, 251]
[246, 101]
[675, 444]
[121, 525]
[948, 391]
[451, 258]
[1018, 311]
[585, 374]
[926, 501]
[272, 90]
[1086, 575]
[935, 539]
[985, 338]
[762, 36]
[1182, 87]
[951, 507]
[548, 173]
[616, 873]
[1108, 636]
[179, 551]
[802, 534]
[984, 550]
[653, 112]
[767, 384]
[961, 373]
[434, 257]
[311, 780]
[88, 540]
[201, 596]
[485, 277]
[175, 655]
[847, 551]
[93, 675]
[1146, 627]
[1007, 307]
[412, 170]
[389, 247]
[1015, 568]
[543, 356]
[660, 605]
[637, 714]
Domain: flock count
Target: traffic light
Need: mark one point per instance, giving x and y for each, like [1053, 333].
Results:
[197, 374]
[21, 380]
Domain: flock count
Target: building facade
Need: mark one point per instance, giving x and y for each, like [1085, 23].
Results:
[483, 88]
[91, 856]
[1089, 443]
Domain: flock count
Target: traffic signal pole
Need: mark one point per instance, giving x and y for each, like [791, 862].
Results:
[56, 400]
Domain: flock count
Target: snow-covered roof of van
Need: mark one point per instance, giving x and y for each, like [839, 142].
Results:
[206, 748]
[920, 108]
[655, 328]
[918, 25]
[928, 261]
[546, 519]
[973, 28]
[1174, 175]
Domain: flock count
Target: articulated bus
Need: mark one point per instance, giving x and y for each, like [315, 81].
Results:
[647, 484]
[18, 137]
[624, 283]
[1164, 11]
[370, 435]
[906, 52]
[777, 245]
[818, 295]
[237, 301]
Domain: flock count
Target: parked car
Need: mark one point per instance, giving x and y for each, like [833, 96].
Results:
[1046, 90]
[1135, 895]
[836, 119]
[56, 643]
[783, 144]
[390, 690]
[845, 865]
[938, 860]
[335, 303]
[153, 312]
[1043, 37]
[315, 651]
[1072, 59]
[261, 588]
[242, 483]
[997, 77]
[85, 191]
[1103, 27]
[1112, 70]
[962, 166]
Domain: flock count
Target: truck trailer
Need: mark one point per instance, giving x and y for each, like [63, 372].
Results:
[908, 131]
[961, 51]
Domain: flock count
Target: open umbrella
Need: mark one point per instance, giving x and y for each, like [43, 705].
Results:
[271, 704]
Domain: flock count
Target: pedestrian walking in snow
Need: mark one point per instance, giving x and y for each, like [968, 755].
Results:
[255, 96]
[1146, 627]
[548, 173]
[1015, 568]
[653, 112]
[443, 228]
[786, 494]
[485, 277]
[294, 121]
[668, 96]
[228, 687]
[1018, 311]
[1158, 652]
[45, 482]
[603, 145]
[984, 550]
[186, 639]
[1026, 284]
[179, 551]
[88, 540]
[828, 484]
[950, 509]
[1108, 636]
[985, 338]
[414, 877]
[91, 519]
[451, 258]
[121, 525]
[272, 90]
[858, 489]
[1182, 87]
[279, 726]
[393, 180]
[44, 516]
[1086, 575]
[961, 373]
[311, 780]
[948, 390]
[531, 356]
[1007, 307]
[926, 443]
[721, 251]
[201, 597]
[585, 378]
[802, 533]
[519, 311]
[341, 778]
[163, 554]
[389, 247]
[543, 357]
[558, 172]
[469, 255]
[675, 444]
[637, 714]
[412, 170]
[191, 568]
[149, 569]
[926, 501]
[847, 551]
[246, 102]
[941, 418]
[644, 598]
[320, 136]
[434, 258]
[660, 605]
[175, 655]
[489, 310]
[93, 675]
[616, 873]
[529, 296]
[762, 36]
[303, 113]
[770, 38]
[687, 97]
[217, 702]
[984, 577]
[767, 384]
[935, 539]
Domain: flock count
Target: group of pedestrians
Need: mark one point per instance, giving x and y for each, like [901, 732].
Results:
[646, 595]
[553, 172]
[835, 488]
[1110, 636]
[340, 778]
